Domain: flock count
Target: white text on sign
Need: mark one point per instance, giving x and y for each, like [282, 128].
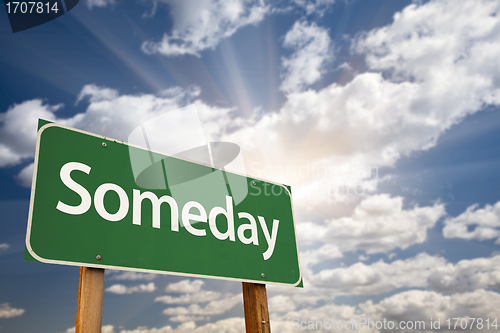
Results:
[191, 211]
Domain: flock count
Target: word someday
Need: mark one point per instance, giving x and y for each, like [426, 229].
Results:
[187, 214]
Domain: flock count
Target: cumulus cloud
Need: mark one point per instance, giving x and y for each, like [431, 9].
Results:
[216, 303]
[26, 175]
[379, 224]
[97, 94]
[426, 71]
[460, 41]
[4, 246]
[417, 305]
[230, 325]
[104, 329]
[200, 25]
[6, 311]
[311, 49]
[195, 311]
[201, 296]
[378, 277]
[185, 286]
[485, 222]
[108, 113]
[422, 271]
[466, 275]
[324, 252]
[115, 115]
[122, 290]
[399, 106]
[281, 303]
[131, 276]
[413, 305]
[430, 68]
[18, 130]
[315, 6]
[99, 3]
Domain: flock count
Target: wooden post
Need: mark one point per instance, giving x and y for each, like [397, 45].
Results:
[89, 309]
[256, 311]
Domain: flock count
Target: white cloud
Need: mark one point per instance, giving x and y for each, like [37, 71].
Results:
[201, 296]
[486, 222]
[413, 305]
[283, 322]
[370, 121]
[379, 224]
[311, 47]
[131, 276]
[99, 3]
[4, 246]
[187, 318]
[26, 175]
[122, 290]
[417, 305]
[439, 65]
[6, 311]
[364, 258]
[216, 303]
[421, 271]
[434, 65]
[18, 130]
[200, 25]
[466, 275]
[104, 329]
[281, 303]
[378, 277]
[97, 94]
[439, 42]
[185, 286]
[117, 115]
[324, 252]
[108, 113]
[315, 6]
[230, 325]
[215, 307]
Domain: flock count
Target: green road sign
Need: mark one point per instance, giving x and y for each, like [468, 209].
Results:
[99, 202]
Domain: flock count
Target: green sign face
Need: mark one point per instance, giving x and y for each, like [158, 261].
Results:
[98, 202]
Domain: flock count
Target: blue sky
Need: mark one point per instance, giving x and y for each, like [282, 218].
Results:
[407, 90]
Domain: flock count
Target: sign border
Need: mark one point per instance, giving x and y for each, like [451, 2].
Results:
[141, 270]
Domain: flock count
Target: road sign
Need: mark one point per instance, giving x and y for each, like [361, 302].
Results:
[89, 209]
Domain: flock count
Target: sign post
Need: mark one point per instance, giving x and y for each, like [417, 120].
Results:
[256, 310]
[89, 308]
[101, 203]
